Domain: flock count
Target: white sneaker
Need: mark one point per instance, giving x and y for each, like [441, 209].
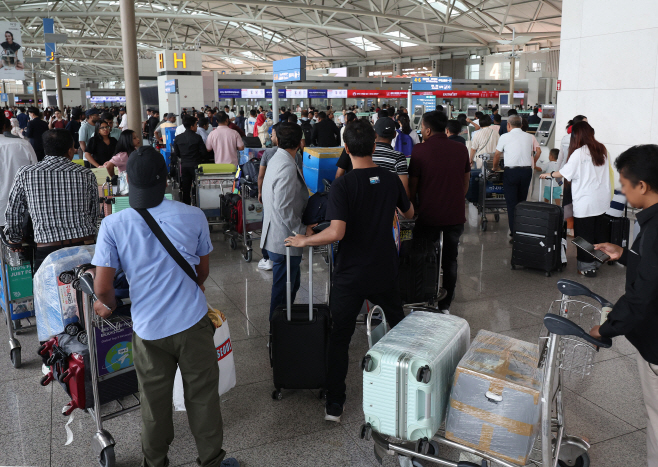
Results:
[445, 312]
[266, 264]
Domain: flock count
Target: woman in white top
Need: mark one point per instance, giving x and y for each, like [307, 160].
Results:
[349, 118]
[566, 139]
[588, 170]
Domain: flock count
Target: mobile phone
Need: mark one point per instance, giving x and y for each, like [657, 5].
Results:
[589, 248]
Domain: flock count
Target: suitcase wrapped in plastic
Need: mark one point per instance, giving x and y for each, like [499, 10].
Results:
[408, 373]
[495, 402]
[55, 303]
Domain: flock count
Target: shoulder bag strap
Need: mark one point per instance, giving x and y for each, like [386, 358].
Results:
[166, 243]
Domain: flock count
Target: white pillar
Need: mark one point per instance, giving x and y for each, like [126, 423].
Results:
[409, 103]
[275, 103]
[512, 66]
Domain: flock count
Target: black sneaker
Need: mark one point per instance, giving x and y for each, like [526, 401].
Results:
[333, 412]
[590, 273]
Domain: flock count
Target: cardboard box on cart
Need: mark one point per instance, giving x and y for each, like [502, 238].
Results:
[320, 163]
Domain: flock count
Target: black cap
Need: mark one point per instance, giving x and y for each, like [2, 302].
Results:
[147, 173]
[91, 112]
[385, 127]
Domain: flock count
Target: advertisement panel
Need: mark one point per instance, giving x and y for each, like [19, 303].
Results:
[281, 92]
[11, 63]
[431, 83]
[337, 93]
[317, 93]
[296, 93]
[230, 93]
[252, 93]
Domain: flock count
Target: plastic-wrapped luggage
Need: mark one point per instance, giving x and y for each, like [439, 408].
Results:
[495, 403]
[55, 303]
[408, 373]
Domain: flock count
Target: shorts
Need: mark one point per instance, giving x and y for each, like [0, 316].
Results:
[557, 192]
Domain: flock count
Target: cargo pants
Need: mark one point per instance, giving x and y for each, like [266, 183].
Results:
[156, 362]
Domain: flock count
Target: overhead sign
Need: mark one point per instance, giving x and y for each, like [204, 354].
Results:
[51, 47]
[230, 93]
[289, 69]
[171, 86]
[317, 93]
[296, 93]
[252, 93]
[11, 54]
[100, 99]
[280, 92]
[559, 85]
[87, 94]
[4, 97]
[336, 93]
[431, 83]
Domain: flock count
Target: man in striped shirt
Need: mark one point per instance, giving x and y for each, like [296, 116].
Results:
[384, 156]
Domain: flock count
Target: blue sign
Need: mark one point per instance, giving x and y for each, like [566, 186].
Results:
[289, 69]
[49, 28]
[171, 86]
[4, 97]
[281, 92]
[431, 83]
[100, 99]
[87, 94]
[230, 93]
[317, 93]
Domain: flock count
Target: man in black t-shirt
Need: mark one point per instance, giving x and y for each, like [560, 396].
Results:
[361, 208]
[152, 123]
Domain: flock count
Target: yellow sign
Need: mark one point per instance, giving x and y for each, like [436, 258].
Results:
[68, 82]
[160, 61]
[177, 60]
[52, 57]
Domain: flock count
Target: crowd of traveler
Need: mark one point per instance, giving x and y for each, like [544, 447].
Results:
[386, 167]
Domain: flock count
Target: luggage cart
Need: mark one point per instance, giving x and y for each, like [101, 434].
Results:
[107, 387]
[252, 224]
[491, 197]
[211, 181]
[566, 350]
[16, 295]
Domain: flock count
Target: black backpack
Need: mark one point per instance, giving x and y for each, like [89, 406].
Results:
[307, 128]
[316, 209]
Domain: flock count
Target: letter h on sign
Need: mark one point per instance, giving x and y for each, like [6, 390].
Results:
[176, 60]
[161, 61]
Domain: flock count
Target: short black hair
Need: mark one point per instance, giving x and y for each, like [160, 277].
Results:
[57, 142]
[189, 121]
[485, 121]
[454, 127]
[439, 108]
[382, 113]
[478, 115]
[322, 115]
[107, 116]
[289, 135]
[253, 113]
[511, 112]
[639, 163]
[359, 138]
[497, 118]
[203, 121]
[222, 117]
[555, 152]
[391, 111]
[435, 121]
[292, 118]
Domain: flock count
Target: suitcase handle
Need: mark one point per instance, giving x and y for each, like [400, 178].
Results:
[289, 284]
[541, 191]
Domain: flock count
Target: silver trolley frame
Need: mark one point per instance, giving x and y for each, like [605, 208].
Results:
[496, 205]
[225, 179]
[102, 443]
[565, 351]
[248, 236]
[14, 326]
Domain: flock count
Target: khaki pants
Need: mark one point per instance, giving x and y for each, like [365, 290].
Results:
[649, 380]
[156, 362]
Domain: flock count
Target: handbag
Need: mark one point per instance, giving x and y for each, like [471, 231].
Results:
[222, 337]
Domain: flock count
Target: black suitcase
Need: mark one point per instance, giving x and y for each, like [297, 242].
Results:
[619, 229]
[299, 341]
[252, 142]
[538, 236]
[419, 272]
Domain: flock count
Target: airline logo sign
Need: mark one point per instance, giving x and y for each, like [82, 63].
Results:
[431, 83]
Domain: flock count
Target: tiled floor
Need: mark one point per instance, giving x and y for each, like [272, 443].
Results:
[605, 408]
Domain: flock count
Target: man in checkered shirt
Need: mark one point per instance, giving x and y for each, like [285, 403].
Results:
[60, 196]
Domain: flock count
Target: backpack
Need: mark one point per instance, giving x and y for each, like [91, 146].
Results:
[249, 174]
[307, 128]
[316, 209]
[403, 143]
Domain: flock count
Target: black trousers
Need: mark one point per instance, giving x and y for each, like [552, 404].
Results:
[451, 236]
[516, 183]
[345, 303]
[186, 180]
[41, 253]
[593, 229]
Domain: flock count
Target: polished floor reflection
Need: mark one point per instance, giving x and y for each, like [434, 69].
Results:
[605, 408]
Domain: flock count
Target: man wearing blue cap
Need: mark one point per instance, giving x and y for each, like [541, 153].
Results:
[87, 130]
[169, 312]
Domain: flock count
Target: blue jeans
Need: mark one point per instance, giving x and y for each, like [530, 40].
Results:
[279, 279]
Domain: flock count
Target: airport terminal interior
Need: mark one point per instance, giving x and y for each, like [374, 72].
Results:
[511, 372]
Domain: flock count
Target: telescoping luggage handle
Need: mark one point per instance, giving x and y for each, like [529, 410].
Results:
[541, 192]
[289, 285]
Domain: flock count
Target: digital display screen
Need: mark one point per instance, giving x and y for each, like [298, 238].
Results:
[252, 93]
[545, 126]
[471, 111]
[337, 93]
[548, 112]
[504, 110]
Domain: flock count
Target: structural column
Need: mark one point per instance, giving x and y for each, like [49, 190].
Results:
[130, 66]
[275, 104]
[35, 86]
[58, 85]
[512, 72]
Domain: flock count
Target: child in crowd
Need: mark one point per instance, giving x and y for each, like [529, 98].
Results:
[552, 166]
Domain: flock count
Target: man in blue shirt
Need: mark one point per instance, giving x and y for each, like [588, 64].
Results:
[169, 311]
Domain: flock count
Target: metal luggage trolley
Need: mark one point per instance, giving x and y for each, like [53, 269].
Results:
[16, 295]
[566, 350]
[106, 386]
[210, 181]
[252, 224]
[491, 183]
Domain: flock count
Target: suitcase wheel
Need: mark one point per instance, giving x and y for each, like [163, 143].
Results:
[497, 217]
[233, 244]
[424, 374]
[366, 431]
[367, 364]
[83, 338]
[547, 274]
[323, 394]
[45, 381]
[513, 266]
[483, 226]
[427, 447]
[107, 457]
[276, 395]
